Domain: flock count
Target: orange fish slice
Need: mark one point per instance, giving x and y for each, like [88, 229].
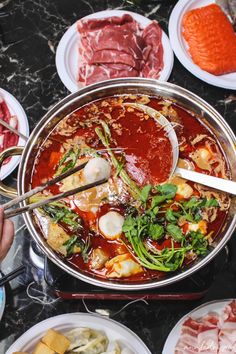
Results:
[211, 39]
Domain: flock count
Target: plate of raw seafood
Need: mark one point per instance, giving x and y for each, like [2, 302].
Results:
[204, 41]
[79, 333]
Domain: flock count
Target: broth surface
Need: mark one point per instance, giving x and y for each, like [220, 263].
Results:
[144, 152]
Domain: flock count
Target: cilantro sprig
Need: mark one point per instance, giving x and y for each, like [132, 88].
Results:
[160, 219]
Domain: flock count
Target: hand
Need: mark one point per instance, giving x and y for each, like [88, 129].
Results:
[6, 235]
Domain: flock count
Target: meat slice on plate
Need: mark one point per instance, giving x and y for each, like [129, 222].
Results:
[118, 47]
[7, 138]
[227, 335]
[208, 334]
[188, 341]
[153, 51]
[94, 73]
[199, 336]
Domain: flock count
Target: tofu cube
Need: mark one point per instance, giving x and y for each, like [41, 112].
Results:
[56, 341]
[41, 348]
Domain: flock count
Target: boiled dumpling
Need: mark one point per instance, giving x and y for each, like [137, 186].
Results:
[122, 266]
[87, 341]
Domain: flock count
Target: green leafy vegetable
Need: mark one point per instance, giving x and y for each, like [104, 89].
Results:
[175, 231]
[170, 216]
[199, 242]
[155, 231]
[156, 221]
[75, 245]
[68, 161]
[145, 192]
[167, 189]
[63, 214]
[135, 191]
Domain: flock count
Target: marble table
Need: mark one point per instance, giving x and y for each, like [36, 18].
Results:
[29, 34]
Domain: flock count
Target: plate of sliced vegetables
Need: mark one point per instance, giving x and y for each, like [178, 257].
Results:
[79, 333]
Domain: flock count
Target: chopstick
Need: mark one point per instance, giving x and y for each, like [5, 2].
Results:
[47, 184]
[12, 275]
[42, 187]
[13, 130]
[54, 198]
[30, 207]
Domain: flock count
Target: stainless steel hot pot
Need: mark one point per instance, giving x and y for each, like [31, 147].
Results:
[208, 115]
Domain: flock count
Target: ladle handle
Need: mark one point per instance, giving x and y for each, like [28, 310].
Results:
[221, 184]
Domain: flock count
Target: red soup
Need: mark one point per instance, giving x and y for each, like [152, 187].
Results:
[142, 223]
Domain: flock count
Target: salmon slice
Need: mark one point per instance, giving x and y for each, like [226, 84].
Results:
[211, 39]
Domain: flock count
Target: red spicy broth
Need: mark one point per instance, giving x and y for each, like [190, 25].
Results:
[148, 159]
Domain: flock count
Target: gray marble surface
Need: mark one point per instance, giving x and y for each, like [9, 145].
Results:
[29, 34]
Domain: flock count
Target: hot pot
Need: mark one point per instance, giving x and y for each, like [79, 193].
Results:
[190, 101]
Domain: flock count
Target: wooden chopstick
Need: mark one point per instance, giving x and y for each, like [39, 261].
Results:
[12, 275]
[42, 187]
[32, 206]
[13, 130]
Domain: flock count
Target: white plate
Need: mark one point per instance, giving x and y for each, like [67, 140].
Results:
[173, 337]
[64, 323]
[67, 50]
[15, 109]
[180, 46]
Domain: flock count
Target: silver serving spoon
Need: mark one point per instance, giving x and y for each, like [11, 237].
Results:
[209, 181]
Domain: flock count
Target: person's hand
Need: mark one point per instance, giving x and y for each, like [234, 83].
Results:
[6, 235]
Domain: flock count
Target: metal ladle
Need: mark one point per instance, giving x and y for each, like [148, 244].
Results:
[209, 181]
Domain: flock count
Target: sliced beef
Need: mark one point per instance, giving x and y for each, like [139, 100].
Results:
[117, 47]
[153, 51]
[7, 138]
[90, 74]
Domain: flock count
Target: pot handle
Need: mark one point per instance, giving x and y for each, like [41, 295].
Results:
[11, 151]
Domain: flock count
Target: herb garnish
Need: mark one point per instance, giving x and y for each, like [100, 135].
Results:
[160, 220]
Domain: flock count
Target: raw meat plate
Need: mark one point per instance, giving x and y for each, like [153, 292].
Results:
[211, 329]
[12, 113]
[155, 59]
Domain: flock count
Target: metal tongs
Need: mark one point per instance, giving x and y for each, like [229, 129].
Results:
[30, 207]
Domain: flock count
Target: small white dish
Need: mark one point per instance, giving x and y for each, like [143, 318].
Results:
[67, 50]
[16, 109]
[180, 46]
[204, 309]
[63, 323]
